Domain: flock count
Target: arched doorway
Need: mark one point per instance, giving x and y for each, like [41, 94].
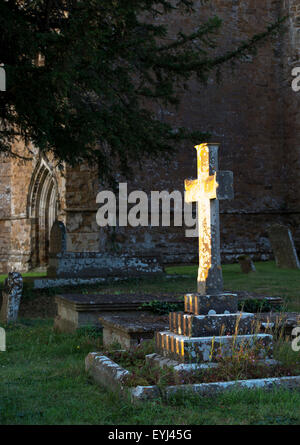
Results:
[42, 211]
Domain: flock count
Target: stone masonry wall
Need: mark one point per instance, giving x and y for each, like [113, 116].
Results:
[5, 211]
[24, 210]
[246, 114]
[290, 105]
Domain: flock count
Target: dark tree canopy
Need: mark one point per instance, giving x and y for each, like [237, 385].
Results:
[83, 76]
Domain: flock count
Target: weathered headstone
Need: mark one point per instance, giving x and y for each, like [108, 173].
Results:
[57, 247]
[11, 297]
[210, 186]
[283, 247]
[58, 240]
[246, 264]
[211, 323]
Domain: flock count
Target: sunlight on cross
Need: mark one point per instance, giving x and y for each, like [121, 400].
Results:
[202, 190]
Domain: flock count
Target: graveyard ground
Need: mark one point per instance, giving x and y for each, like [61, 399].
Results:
[43, 379]
[267, 281]
[43, 382]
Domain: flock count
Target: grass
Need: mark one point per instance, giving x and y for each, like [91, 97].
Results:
[268, 280]
[43, 379]
[43, 382]
[33, 274]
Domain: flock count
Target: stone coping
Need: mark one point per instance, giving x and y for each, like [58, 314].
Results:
[47, 282]
[96, 302]
[110, 375]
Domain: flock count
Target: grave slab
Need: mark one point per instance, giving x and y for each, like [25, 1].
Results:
[130, 330]
[76, 310]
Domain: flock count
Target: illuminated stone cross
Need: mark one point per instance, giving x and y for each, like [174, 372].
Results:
[210, 186]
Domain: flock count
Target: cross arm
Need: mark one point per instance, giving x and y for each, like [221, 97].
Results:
[197, 188]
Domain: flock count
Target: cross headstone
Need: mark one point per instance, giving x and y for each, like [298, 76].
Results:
[11, 297]
[283, 247]
[210, 186]
[58, 239]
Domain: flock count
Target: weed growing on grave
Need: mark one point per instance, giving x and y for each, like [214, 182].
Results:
[244, 363]
[162, 307]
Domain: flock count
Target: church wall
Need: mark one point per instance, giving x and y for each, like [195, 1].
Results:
[291, 117]
[5, 211]
[245, 114]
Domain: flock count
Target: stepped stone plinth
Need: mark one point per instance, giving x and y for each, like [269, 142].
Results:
[199, 339]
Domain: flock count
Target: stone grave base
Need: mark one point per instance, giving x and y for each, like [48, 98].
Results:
[130, 329]
[205, 349]
[109, 374]
[75, 311]
[97, 264]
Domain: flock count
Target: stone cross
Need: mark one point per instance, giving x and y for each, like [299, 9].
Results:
[11, 297]
[210, 186]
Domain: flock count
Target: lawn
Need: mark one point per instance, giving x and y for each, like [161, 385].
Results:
[43, 382]
[268, 280]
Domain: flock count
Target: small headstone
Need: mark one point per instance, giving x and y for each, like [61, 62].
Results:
[11, 297]
[283, 247]
[58, 239]
[246, 264]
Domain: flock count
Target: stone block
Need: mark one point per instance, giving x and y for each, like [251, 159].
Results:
[105, 371]
[211, 325]
[202, 304]
[130, 330]
[94, 264]
[206, 349]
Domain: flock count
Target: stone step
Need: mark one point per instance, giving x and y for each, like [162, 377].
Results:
[211, 325]
[204, 304]
[206, 349]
